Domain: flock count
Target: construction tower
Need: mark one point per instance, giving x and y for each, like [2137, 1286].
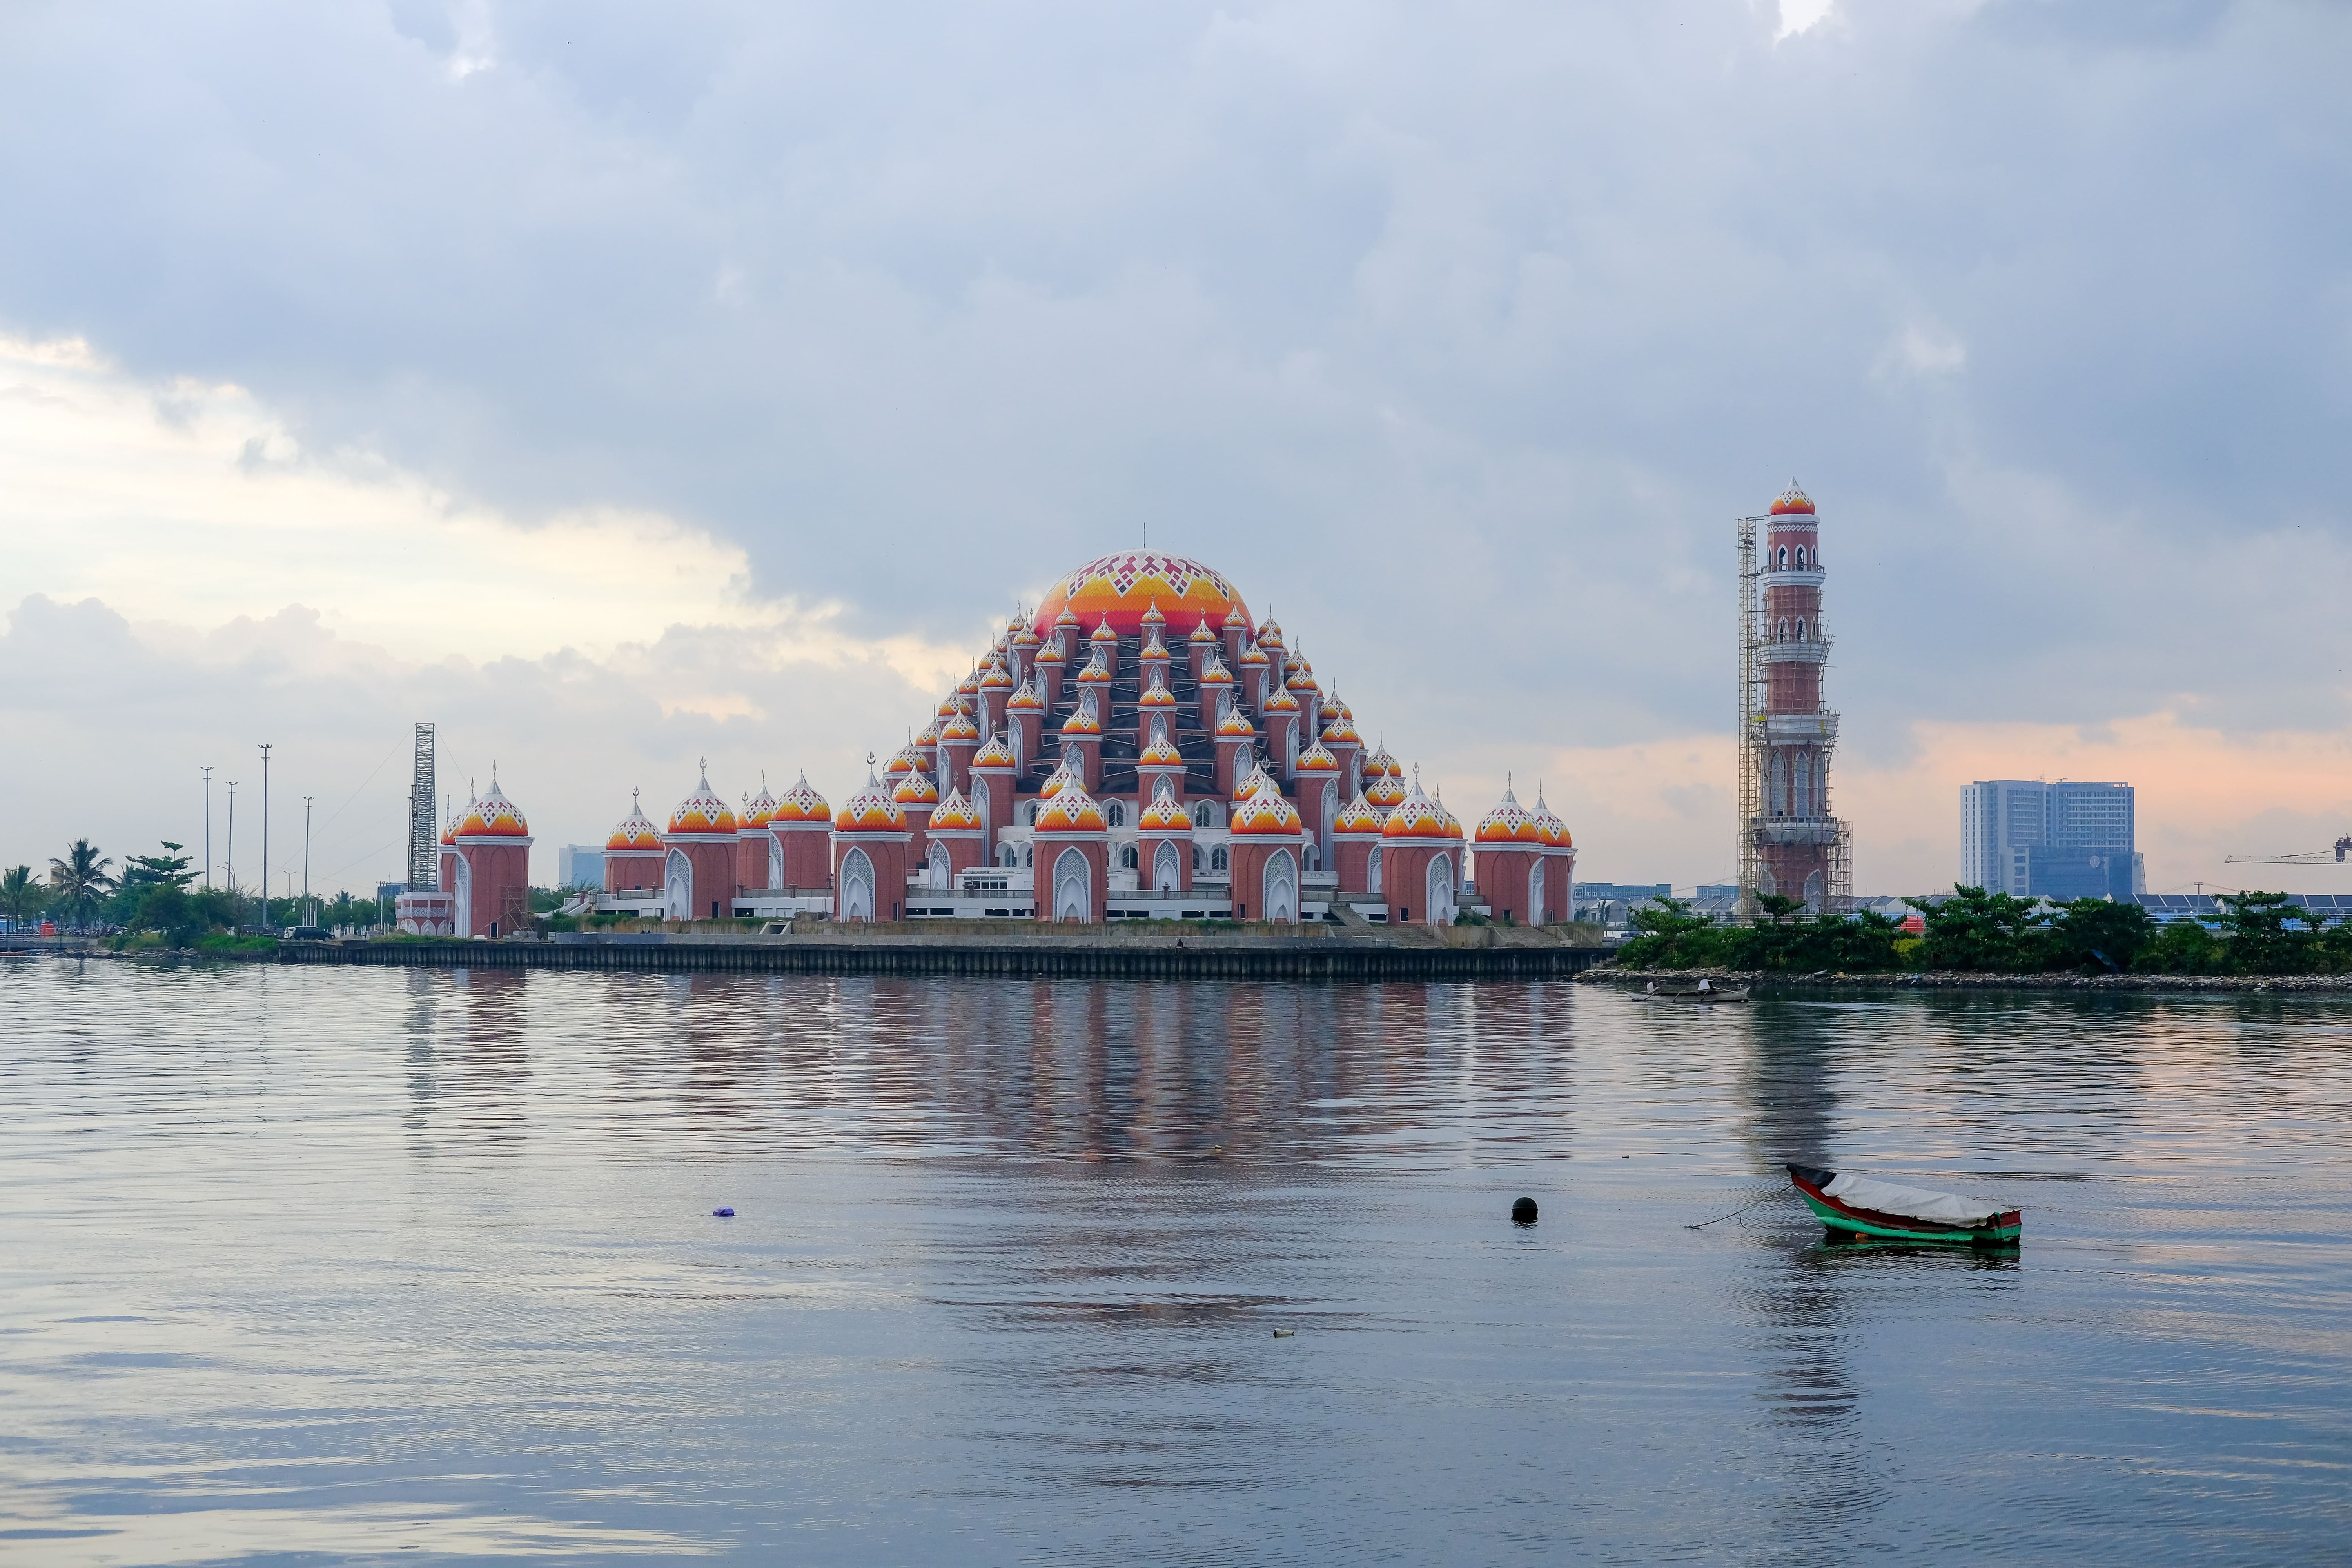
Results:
[424, 842]
[1788, 841]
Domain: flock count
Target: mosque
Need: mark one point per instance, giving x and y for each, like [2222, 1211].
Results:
[1140, 747]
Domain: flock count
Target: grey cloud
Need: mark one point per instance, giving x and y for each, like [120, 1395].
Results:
[1459, 334]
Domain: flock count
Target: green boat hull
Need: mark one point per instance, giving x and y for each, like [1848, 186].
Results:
[1987, 1235]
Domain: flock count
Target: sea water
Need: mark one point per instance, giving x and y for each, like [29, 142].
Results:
[355, 1265]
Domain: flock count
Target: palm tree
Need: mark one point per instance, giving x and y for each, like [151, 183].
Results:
[80, 880]
[19, 894]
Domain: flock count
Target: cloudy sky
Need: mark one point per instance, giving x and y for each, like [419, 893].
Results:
[619, 385]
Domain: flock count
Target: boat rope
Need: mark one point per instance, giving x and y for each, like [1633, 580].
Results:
[1743, 1208]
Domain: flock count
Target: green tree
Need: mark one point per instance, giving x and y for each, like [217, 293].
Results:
[2098, 935]
[1673, 938]
[20, 895]
[80, 879]
[147, 870]
[1997, 933]
[2181, 947]
[167, 908]
[2255, 926]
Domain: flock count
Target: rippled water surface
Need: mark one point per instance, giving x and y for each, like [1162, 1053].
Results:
[310, 1264]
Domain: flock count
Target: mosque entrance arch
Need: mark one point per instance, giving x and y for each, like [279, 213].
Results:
[1535, 895]
[1167, 870]
[856, 887]
[934, 872]
[1281, 900]
[677, 886]
[1441, 890]
[463, 909]
[1372, 871]
[775, 862]
[1328, 815]
[1073, 879]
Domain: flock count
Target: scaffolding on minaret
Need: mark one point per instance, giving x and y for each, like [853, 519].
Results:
[1750, 719]
[424, 842]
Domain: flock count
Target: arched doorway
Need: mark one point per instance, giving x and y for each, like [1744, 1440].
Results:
[935, 869]
[1073, 887]
[1535, 915]
[677, 886]
[1281, 904]
[775, 862]
[1441, 890]
[856, 887]
[1373, 872]
[463, 923]
[1167, 870]
[1328, 815]
[1813, 891]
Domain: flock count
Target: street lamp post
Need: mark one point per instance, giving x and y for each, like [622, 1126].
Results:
[237, 904]
[208, 826]
[265, 834]
[306, 848]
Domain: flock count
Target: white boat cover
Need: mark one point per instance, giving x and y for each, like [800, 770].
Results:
[1911, 1203]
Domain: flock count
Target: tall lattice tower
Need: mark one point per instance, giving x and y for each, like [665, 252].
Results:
[424, 843]
[1788, 841]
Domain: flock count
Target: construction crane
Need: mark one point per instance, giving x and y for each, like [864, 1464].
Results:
[2314, 858]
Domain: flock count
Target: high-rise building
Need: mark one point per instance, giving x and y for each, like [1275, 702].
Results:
[1789, 843]
[2052, 838]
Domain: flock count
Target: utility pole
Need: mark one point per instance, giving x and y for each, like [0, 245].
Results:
[236, 909]
[265, 833]
[306, 847]
[208, 825]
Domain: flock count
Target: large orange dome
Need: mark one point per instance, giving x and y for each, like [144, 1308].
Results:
[1119, 588]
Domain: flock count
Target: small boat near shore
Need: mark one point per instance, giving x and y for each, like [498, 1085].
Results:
[1705, 993]
[1860, 1205]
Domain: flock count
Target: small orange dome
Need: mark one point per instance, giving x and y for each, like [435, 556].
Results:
[1553, 831]
[959, 729]
[1157, 694]
[493, 816]
[1418, 816]
[995, 754]
[871, 810]
[635, 831]
[916, 789]
[802, 803]
[1215, 672]
[955, 815]
[1793, 499]
[1269, 635]
[1265, 813]
[1235, 725]
[1024, 700]
[1103, 633]
[1164, 814]
[1316, 760]
[1161, 753]
[1339, 732]
[1509, 824]
[760, 810]
[1096, 672]
[998, 678]
[1072, 810]
[1252, 654]
[1081, 722]
[1050, 653]
[1202, 634]
[1385, 791]
[1359, 816]
[1282, 701]
[702, 812]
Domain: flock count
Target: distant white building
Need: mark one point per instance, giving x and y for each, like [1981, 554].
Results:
[580, 866]
[2054, 838]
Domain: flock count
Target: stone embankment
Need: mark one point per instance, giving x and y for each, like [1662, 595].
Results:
[1958, 980]
[1153, 950]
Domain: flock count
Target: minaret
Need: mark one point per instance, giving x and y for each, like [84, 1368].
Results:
[1800, 849]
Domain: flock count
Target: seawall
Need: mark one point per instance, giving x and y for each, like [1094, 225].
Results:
[1230, 957]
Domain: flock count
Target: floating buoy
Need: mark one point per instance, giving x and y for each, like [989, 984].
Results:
[1285, 1334]
[723, 1213]
[1523, 1212]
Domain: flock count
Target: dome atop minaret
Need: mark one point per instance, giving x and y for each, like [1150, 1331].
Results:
[1793, 499]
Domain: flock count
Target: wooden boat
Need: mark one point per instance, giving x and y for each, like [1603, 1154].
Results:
[1704, 992]
[1859, 1206]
